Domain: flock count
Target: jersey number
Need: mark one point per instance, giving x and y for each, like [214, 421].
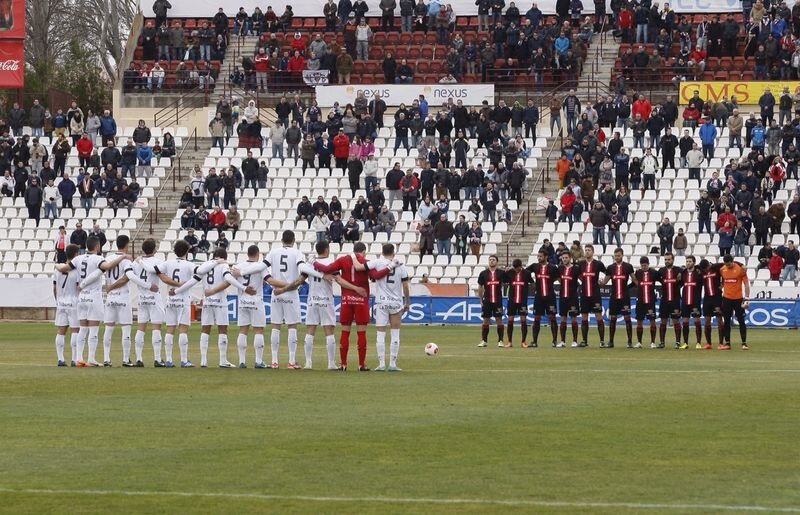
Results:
[114, 273]
[84, 266]
[390, 277]
[284, 265]
[210, 277]
[176, 275]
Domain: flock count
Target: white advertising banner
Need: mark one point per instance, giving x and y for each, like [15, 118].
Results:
[395, 94]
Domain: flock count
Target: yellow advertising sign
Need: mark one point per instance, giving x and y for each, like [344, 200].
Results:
[746, 92]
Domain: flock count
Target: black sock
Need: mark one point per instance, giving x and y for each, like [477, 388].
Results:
[686, 332]
[537, 326]
[662, 332]
[484, 333]
[563, 330]
[500, 332]
[639, 332]
[554, 329]
[510, 329]
[708, 332]
[629, 328]
[524, 329]
[612, 329]
[585, 330]
[575, 330]
[601, 327]
[653, 331]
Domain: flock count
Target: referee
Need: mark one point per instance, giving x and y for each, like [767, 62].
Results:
[735, 294]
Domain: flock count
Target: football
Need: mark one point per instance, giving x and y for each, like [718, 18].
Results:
[431, 349]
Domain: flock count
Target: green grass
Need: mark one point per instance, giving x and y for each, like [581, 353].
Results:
[478, 430]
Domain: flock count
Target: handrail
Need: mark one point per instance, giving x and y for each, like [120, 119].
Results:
[176, 166]
[178, 107]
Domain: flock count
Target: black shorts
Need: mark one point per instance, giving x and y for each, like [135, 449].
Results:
[645, 310]
[591, 305]
[568, 306]
[691, 310]
[732, 307]
[618, 307]
[669, 309]
[544, 306]
[711, 306]
[491, 309]
[513, 309]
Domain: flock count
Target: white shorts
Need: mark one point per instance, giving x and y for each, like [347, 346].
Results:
[214, 315]
[382, 312]
[320, 314]
[118, 311]
[67, 314]
[178, 311]
[284, 310]
[252, 312]
[151, 309]
[90, 307]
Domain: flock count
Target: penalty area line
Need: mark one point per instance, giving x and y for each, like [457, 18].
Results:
[414, 500]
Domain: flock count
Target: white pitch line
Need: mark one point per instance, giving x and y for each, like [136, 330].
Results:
[415, 500]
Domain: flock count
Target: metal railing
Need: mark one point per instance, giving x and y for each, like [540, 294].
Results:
[186, 103]
[175, 173]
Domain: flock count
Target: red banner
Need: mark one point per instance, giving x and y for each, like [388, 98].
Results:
[11, 63]
[12, 19]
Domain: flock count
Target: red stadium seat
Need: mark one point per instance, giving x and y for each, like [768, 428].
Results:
[406, 38]
[401, 52]
[310, 23]
[320, 23]
[414, 53]
[379, 39]
[392, 38]
[297, 23]
[418, 38]
[423, 66]
[427, 52]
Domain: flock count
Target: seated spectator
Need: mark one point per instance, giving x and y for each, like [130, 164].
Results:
[188, 217]
[186, 198]
[385, 221]
[204, 245]
[192, 240]
[336, 229]
[232, 220]
[405, 75]
[216, 220]
[305, 211]
[222, 242]
[352, 230]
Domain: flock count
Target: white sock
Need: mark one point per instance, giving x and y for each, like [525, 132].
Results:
[380, 347]
[274, 341]
[183, 345]
[203, 349]
[168, 339]
[73, 345]
[138, 342]
[60, 347]
[330, 346]
[394, 346]
[126, 343]
[108, 334]
[308, 348]
[258, 343]
[222, 344]
[93, 342]
[292, 345]
[156, 336]
[241, 344]
[83, 332]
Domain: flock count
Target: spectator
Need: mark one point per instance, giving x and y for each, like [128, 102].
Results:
[216, 220]
[144, 156]
[212, 187]
[50, 200]
[774, 264]
[188, 217]
[599, 217]
[475, 237]
[425, 237]
[443, 232]
[67, 190]
[141, 134]
[385, 221]
[305, 211]
[790, 258]
[277, 137]
[216, 127]
[409, 186]
[665, 233]
[740, 238]
[229, 186]
[79, 237]
[363, 37]
[680, 244]
[222, 241]
[34, 196]
[128, 159]
[489, 201]
[776, 213]
[86, 190]
[725, 239]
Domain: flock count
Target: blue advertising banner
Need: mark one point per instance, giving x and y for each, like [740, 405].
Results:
[467, 310]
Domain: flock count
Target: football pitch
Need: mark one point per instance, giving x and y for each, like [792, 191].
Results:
[469, 431]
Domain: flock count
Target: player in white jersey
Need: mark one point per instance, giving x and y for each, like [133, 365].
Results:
[320, 309]
[392, 299]
[251, 313]
[214, 274]
[151, 305]
[177, 272]
[118, 306]
[91, 267]
[285, 308]
[65, 291]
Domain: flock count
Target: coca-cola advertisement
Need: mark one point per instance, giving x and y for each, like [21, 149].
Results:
[12, 63]
[12, 19]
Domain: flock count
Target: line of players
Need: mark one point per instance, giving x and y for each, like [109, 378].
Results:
[78, 289]
[704, 289]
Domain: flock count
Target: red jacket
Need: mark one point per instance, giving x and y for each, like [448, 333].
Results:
[216, 218]
[567, 200]
[296, 64]
[776, 172]
[412, 186]
[625, 19]
[84, 147]
[641, 107]
[261, 62]
[690, 113]
[726, 217]
[775, 265]
[298, 44]
[341, 146]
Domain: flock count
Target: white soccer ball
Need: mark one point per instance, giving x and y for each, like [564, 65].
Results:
[431, 349]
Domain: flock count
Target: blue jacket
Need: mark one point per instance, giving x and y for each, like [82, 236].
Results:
[67, 188]
[758, 136]
[144, 154]
[708, 133]
[561, 44]
[108, 127]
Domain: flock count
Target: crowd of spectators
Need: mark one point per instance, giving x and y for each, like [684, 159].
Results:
[38, 172]
[597, 174]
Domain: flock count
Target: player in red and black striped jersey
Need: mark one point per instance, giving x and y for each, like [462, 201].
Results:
[568, 276]
[590, 271]
[692, 281]
[670, 304]
[619, 303]
[646, 279]
[518, 280]
[712, 295]
[490, 291]
[545, 275]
